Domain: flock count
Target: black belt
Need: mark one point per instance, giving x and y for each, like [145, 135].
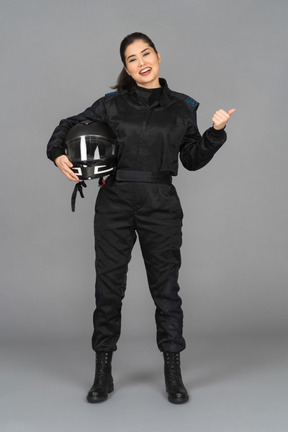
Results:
[143, 176]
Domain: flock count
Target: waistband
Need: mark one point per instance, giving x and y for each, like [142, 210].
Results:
[143, 176]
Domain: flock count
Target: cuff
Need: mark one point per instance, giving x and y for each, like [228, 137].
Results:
[56, 153]
[217, 133]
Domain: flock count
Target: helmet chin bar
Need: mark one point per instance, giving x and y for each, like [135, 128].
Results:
[89, 172]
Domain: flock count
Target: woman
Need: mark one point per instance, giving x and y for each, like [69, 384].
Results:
[153, 125]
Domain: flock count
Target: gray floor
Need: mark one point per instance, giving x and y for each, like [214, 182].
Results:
[235, 384]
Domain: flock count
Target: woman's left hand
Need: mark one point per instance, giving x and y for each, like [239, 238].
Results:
[221, 117]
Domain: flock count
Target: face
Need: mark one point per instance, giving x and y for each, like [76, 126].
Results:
[142, 64]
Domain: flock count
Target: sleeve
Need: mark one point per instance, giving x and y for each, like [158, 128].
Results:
[196, 150]
[56, 144]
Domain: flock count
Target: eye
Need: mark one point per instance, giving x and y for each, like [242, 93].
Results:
[146, 53]
[130, 61]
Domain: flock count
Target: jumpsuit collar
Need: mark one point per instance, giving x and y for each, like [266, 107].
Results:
[145, 93]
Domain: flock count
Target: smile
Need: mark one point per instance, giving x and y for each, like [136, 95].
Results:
[145, 71]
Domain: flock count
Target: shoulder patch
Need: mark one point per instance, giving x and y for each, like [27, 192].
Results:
[191, 101]
[187, 99]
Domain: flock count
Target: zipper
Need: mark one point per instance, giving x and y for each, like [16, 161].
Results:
[141, 139]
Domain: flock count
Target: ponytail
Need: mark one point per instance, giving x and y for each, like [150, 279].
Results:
[124, 81]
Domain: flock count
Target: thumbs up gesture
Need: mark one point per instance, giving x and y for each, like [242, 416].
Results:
[221, 117]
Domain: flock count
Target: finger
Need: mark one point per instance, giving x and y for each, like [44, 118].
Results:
[231, 111]
[65, 162]
[219, 119]
[73, 179]
[72, 176]
[223, 114]
[61, 159]
[222, 111]
[65, 165]
[227, 112]
[69, 173]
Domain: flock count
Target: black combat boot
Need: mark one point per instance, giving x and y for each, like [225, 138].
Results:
[175, 388]
[103, 381]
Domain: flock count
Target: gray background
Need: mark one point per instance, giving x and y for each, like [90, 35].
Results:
[57, 58]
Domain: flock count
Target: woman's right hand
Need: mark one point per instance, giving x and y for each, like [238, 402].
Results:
[64, 164]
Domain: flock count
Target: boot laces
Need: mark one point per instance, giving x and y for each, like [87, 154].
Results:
[102, 367]
[173, 366]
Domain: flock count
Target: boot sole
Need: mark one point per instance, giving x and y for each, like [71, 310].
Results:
[178, 401]
[100, 399]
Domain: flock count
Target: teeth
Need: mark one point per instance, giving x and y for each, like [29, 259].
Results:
[145, 70]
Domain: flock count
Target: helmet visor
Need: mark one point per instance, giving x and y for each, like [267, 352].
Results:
[88, 148]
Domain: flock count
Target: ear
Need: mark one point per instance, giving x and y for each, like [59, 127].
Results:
[159, 57]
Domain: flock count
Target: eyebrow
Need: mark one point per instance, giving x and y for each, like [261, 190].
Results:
[132, 55]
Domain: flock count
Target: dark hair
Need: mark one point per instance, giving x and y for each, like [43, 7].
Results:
[125, 81]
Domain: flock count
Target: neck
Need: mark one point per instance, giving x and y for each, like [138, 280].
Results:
[150, 86]
[148, 89]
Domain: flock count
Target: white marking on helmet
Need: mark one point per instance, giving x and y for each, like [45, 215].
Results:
[96, 153]
[77, 170]
[83, 148]
[96, 169]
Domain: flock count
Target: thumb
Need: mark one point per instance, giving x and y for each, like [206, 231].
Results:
[231, 111]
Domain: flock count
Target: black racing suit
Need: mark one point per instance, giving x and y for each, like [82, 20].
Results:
[150, 137]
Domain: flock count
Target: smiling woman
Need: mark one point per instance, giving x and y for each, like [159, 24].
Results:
[138, 50]
[142, 64]
[153, 126]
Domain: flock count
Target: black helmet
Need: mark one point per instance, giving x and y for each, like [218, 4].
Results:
[91, 147]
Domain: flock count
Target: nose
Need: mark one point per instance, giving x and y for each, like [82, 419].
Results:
[140, 61]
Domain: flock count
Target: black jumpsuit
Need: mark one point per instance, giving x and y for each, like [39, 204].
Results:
[150, 138]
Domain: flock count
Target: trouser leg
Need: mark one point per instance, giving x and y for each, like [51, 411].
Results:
[159, 228]
[114, 240]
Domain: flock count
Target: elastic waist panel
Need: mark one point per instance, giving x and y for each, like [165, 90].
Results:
[143, 176]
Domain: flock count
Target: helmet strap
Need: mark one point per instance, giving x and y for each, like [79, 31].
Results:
[78, 188]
